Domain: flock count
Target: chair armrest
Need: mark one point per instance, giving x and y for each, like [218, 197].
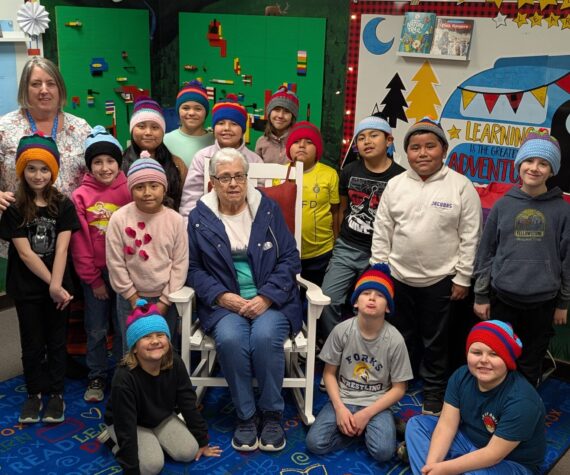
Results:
[185, 294]
[314, 293]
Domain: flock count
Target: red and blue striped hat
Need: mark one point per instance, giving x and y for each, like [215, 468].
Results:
[230, 109]
[500, 337]
[377, 278]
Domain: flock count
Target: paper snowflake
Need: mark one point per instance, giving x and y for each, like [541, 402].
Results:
[33, 18]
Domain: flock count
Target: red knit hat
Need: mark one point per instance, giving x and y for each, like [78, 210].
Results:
[305, 130]
[498, 336]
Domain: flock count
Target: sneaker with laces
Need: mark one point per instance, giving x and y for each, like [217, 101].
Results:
[272, 436]
[95, 390]
[245, 435]
[55, 410]
[30, 413]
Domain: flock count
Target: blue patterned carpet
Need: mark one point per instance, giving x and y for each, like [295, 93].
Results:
[71, 448]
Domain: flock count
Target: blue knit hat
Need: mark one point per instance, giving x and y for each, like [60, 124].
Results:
[193, 91]
[376, 278]
[540, 144]
[145, 169]
[230, 109]
[425, 125]
[144, 320]
[100, 142]
[376, 123]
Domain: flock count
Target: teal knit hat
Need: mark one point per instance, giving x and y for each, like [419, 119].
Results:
[144, 320]
[540, 144]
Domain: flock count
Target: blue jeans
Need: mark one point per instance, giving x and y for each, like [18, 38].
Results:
[379, 435]
[124, 309]
[345, 266]
[96, 320]
[248, 348]
[419, 431]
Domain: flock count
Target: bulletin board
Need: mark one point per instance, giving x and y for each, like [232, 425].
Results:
[252, 56]
[115, 41]
[517, 79]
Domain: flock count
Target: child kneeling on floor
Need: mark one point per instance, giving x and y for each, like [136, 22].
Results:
[150, 386]
[492, 419]
[372, 362]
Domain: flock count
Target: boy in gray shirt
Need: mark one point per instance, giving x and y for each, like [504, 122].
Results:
[372, 363]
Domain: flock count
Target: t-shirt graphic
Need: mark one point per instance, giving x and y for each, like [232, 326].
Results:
[530, 225]
[100, 213]
[42, 236]
[363, 196]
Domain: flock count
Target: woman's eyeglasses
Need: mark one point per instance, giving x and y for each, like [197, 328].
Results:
[227, 179]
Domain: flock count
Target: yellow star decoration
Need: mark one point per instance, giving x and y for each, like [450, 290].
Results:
[552, 20]
[565, 4]
[545, 3]
[522, 3]
[453, 132]
[536, 19]
[520, 20]
[496, 2]
[565, 23]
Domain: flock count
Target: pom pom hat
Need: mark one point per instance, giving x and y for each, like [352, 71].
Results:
[229, 109]
[195, 92]
[146, 169]
[145, 109]
[37, 147]
[426, 125]
[376, 278]
[144, 320]
[101, 142]
[304, 130]
[540, 145]
[498, 336]
[283, 98]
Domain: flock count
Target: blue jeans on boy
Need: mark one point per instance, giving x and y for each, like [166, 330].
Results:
[419, 431]
[249, 348]
[96, 321]
[124, 309]
[379, 436]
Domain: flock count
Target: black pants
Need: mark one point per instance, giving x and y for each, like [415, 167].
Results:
[314, 268]
[533, 325]
[422, 317]
[42, 333]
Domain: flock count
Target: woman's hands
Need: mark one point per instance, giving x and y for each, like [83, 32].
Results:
[246, 308]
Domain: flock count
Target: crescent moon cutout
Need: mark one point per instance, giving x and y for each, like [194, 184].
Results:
[371, 41]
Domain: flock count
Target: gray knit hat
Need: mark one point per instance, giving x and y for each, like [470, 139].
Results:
[425, 125]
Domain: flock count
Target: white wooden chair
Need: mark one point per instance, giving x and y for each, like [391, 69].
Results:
[299, 372]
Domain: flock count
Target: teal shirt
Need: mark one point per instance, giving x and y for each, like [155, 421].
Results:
[247, 288]
[185, 146]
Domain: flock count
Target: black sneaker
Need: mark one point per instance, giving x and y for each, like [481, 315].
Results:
[30, 413]
[55, 410]
[272, 436]
[245, 435]
[402, 453]
[432, 406]
[95, 390]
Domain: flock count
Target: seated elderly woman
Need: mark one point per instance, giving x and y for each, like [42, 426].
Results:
[243, 263]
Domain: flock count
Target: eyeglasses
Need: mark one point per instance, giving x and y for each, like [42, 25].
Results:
[227, 179]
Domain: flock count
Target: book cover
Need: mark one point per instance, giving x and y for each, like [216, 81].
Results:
[417, 32]
[452, 37]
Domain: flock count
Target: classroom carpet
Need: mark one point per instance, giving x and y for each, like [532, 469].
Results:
[71, 448]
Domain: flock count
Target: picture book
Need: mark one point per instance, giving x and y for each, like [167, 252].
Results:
[417, 32]
[452, 37]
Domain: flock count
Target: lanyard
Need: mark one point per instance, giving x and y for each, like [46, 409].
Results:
[34, 127]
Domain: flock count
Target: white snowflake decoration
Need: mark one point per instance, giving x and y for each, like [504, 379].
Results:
[33, 18]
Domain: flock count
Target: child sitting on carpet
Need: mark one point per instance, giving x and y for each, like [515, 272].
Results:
[492, 419]
[372, 362]
[149, 388]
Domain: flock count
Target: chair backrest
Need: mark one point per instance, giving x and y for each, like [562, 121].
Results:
[267, 175]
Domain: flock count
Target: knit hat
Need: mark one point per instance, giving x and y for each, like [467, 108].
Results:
[540, 144]
[99, 142]
[283, 98]
[425, 125]
[229, 109]
[377, 278]
[498, 336]
[304, 130]
[144, 320]
[193, 91]
[146, 169]
[144, 109]
[373, 122]
[37, 147]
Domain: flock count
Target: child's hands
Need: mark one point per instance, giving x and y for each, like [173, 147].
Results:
[437, 468]
[345, 421]
[101, 293]
[6, 198]
[162, 308]
[133, 300]
[208, 451]
[560, 316]
[361, 419]
[60, 296]
[482, 310]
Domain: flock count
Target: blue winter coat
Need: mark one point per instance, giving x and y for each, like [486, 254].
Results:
[272, 254]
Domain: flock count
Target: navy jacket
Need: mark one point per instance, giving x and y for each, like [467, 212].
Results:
[272, 255]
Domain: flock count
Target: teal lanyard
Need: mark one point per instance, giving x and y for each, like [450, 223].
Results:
[34, 127]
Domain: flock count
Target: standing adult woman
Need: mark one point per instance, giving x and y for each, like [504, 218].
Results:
[41, 96]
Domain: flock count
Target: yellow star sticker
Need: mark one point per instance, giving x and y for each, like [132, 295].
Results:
[453, 132]
[536, 19]
[545, 3]
[520, 20]
[565, 22]
[522, 3]
[565, 4]
[552, 20]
